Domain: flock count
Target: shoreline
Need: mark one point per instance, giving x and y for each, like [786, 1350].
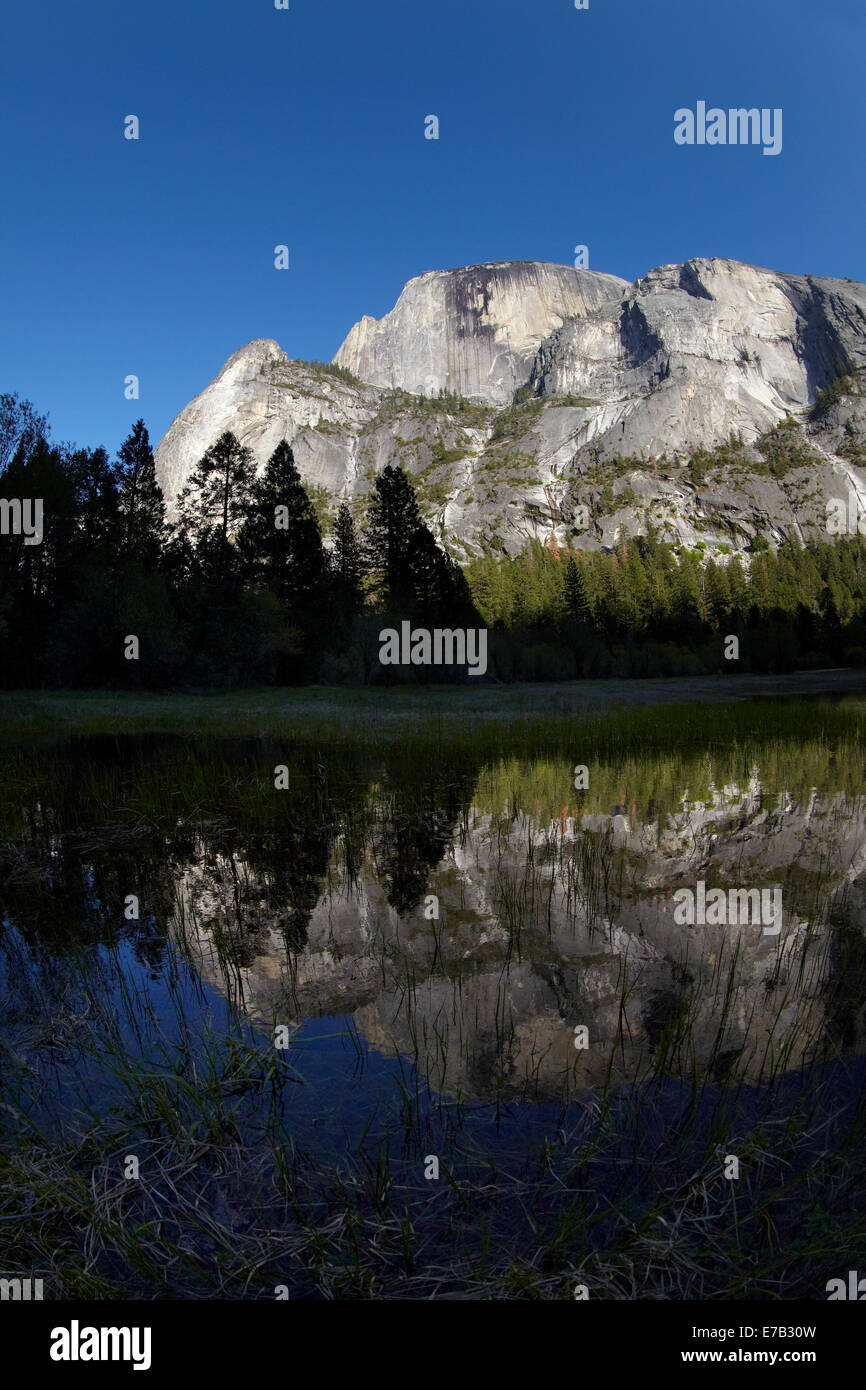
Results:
[340, 710]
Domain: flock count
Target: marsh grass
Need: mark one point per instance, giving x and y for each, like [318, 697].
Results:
[377, 715]
[626, 1194]
[114, 1045]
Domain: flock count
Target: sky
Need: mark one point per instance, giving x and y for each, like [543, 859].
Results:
[305, 127]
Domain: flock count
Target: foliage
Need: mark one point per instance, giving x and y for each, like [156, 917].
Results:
[230, 595]
[842, 383]
[514, 421]
[332, 369]
[784, 447]
[646, 611]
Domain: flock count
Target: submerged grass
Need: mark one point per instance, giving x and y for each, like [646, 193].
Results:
[628, 1195]
[113, 1046]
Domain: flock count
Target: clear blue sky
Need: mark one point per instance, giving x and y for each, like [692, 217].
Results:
[306, 127]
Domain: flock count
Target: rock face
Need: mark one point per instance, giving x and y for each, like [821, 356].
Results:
[621, 383]
[691, 352]
[263, 398]
[475, 331]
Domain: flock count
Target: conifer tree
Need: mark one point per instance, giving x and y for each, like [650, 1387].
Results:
[279, 541]
[21, 428]
[216, 500]
[391, 535]
[575, 592]
[140, 500]
[346, 563]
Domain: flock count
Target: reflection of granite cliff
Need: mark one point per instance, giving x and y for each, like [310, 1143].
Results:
[526, 948]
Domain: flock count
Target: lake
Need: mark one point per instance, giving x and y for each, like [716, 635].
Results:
[438, 1016]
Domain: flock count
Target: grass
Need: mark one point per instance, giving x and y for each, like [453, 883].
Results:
[387, 713]
[628, 1196]
[557, 1168]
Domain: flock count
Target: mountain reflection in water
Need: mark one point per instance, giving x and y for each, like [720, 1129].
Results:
[472, 929]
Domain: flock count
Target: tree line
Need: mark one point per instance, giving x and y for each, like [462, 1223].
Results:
[239, 587]
[652, 609]
[236, 587]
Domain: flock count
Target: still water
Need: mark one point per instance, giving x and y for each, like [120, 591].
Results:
[450, 958]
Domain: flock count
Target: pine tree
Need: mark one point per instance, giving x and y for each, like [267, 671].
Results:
[575, 593]
[391, 536]
[739, 586]
[21, 428]
[346, 563]
[35, 580]
[439, 589]
[141, 504]
[279, 542]
[84, 640]
[718, 591]
[216, 501]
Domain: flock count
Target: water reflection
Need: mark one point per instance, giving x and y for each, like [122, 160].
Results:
[476, 941]
[473, 916]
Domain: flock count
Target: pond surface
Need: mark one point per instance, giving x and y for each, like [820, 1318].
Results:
[411, 958]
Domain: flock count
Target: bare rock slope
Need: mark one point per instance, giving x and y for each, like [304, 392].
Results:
[576, 403]
[475, 331]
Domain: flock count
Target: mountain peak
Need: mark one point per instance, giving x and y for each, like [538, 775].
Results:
[625, 382]
[474, 330]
